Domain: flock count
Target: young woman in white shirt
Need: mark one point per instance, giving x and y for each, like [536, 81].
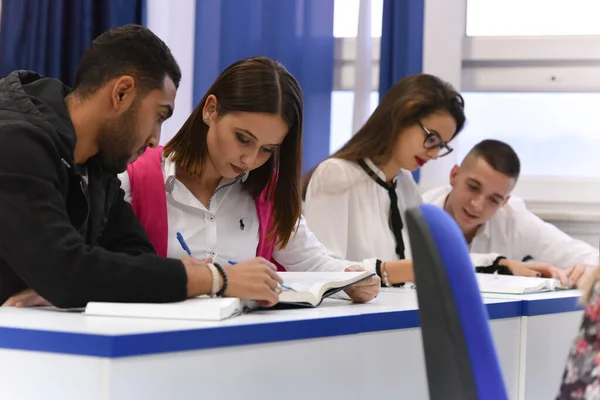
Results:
[229, 181]
[355, 200]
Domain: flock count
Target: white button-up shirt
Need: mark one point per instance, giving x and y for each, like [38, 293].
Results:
[515, 233]
[350, 213]
[227, 228]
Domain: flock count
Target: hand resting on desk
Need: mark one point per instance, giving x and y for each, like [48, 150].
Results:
[364, 291]
[540, 269]
[573, 277]
[580, 274]
[26, 298]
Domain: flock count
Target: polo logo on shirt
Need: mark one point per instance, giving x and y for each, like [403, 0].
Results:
[242, 226]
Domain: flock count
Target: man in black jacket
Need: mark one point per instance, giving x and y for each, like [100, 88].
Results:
[66, 232]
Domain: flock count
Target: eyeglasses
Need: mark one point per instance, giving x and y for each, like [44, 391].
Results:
[433, 140]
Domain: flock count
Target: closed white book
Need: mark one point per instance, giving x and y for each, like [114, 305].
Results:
[202, 308]
[510, 284]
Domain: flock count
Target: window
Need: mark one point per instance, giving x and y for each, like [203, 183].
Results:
[531, 77]
[511, 45]
[345, 18]
[555, 134]
[532, 17]
[341, 119]
[345, 30]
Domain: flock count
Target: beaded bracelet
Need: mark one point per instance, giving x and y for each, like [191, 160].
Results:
[224, 276]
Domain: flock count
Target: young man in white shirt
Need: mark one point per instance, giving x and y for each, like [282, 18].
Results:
[495, 223]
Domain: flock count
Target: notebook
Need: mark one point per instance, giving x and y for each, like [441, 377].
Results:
[309, 290]
[509, 284]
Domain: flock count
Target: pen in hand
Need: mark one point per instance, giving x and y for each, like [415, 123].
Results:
[283, 285]
[184, 245]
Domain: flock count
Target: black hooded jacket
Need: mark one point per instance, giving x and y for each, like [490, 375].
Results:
[70, 241]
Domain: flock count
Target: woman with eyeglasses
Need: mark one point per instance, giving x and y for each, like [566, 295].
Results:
[355, 199]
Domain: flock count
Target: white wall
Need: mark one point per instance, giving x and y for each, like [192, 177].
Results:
[174, 22]
[588, 231]
[443, 33]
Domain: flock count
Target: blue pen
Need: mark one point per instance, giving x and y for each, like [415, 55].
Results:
[285, 285]
[184, 245]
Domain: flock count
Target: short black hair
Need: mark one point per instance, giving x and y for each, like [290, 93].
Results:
[127, 50]
[499, 155]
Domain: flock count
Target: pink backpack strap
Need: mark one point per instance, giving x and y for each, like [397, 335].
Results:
[264, 208]
[148, 197]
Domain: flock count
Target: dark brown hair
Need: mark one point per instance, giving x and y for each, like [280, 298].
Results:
[262, 85]
[405, 104]
[499, 155]
[126, 50]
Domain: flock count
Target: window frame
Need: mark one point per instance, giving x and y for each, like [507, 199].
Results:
[344, 64]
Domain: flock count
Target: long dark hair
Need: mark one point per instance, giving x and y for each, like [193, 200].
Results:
[258, 85]
[405, 104]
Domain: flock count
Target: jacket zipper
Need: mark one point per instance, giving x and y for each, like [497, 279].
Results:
[85, 195]
[82, 185]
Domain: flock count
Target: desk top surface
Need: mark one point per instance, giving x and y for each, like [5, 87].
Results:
[544, 303]
[74, 333]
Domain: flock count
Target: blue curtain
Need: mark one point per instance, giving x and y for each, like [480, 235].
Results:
[49, 36]
[401, 43]
[298, 33]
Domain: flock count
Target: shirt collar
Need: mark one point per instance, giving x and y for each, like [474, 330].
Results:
[169, 168]
[484, 230]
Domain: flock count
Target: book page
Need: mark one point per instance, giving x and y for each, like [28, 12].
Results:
[314, 282]
[309, 287]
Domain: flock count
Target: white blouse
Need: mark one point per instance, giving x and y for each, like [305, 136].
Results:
[227, 230]
[350, 213]
[515, 232]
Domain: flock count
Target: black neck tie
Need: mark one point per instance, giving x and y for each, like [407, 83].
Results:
[396, 218]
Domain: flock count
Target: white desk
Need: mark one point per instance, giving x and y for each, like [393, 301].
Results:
[549, 325]
[338, 350]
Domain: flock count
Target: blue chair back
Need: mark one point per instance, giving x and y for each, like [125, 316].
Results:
[460, 355]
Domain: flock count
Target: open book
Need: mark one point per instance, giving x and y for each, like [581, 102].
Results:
[509, 284]
[308, 289]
